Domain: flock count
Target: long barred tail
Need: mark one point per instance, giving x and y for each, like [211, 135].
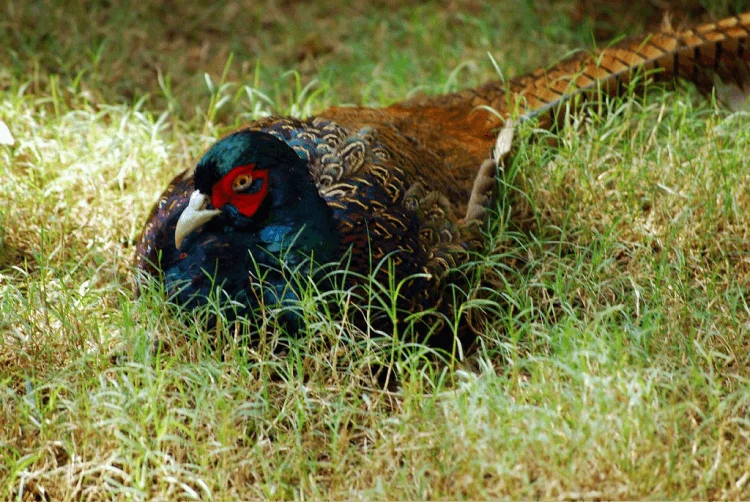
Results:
[698, 55]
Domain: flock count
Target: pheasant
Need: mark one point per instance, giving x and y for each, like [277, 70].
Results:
[410, 183]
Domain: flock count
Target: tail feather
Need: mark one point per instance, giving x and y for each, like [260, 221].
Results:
[699, 55]
[695, 55]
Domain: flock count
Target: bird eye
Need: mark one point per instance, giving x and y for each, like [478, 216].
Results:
[242, 182]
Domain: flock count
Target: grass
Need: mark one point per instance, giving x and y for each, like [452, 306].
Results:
[616, 364]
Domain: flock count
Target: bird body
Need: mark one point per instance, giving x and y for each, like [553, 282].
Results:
[410, 182]
[370, 192]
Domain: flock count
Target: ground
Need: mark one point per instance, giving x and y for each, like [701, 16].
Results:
[615, 361]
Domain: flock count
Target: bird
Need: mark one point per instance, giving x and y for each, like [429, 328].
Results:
[411, 183]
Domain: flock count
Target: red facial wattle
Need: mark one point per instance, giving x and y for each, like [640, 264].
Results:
[247, 203]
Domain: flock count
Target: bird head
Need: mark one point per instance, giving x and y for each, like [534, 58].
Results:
[253, 203]
[252, 181]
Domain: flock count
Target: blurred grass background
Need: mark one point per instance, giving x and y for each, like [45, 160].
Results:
[373, 54]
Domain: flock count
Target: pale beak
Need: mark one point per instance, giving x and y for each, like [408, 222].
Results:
[193, 217]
